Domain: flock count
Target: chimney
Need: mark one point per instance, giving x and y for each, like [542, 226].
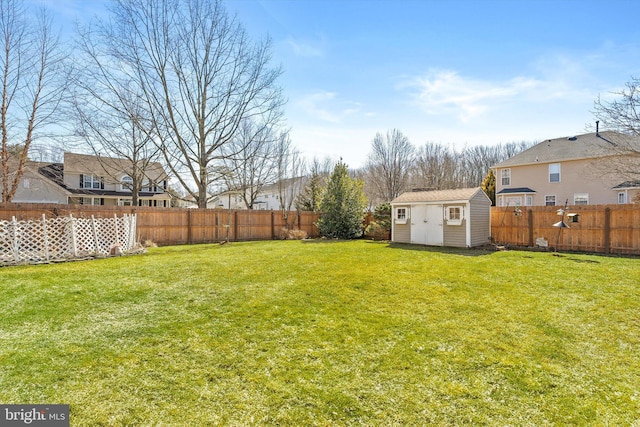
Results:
[597, 127]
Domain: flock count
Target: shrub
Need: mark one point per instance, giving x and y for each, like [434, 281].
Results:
[284, 234]
[376, 232]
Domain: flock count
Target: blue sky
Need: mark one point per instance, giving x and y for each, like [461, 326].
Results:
[451, 72]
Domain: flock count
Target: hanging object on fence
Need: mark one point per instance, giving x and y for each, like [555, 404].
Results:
[561, 224]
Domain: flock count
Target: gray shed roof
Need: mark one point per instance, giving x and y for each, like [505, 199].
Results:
[587, 146]
[436, 195]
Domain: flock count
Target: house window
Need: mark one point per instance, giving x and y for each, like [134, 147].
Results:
[91, 201]
[91, 181]
[550, 200]
[505, 174]
[402, 214]
[126, 183]
[25, 183]
[528, 200]
[454, 215]
[554, 172]
[581, 199]
[622, 198]
[124, 202]
[514, 201]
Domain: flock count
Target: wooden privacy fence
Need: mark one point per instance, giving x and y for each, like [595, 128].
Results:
[174, 226]
[609, 229]
[63, 238]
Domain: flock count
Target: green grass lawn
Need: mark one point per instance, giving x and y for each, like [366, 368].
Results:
[326, 333]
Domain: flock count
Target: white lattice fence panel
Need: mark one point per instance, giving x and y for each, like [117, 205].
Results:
[31, 241]
[85, 243]
[7, 255]
[59, 237]
[127, 232]
[63, 238]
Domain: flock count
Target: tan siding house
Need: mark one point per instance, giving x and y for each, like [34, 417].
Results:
[583, 169]
[455, 218]
[86, 179]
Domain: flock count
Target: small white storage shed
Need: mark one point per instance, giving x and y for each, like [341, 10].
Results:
[456, 218]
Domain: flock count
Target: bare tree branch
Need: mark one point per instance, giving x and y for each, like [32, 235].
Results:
[200, 77]
[31, 63]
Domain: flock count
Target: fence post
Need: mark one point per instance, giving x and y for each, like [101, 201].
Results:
[216, 227]
[607, 230]
[74, 246]
[235, 226]
[46, 237]
[530, 223]
[273, 226]
[115, 229]
[16, 251]
[95, 234]
[132, 232]
[189, 232]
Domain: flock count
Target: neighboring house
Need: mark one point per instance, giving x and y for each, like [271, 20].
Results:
[269, 197]
[583, 169]
[90, 180]
[456, 218]
[190, 202]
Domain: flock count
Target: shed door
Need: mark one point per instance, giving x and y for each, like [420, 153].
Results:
[426, 225]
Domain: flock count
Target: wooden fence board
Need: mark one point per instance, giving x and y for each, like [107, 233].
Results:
[173, 226]
[600, 228]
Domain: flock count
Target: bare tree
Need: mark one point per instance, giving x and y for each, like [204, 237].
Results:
[389, 164]
[289, 166]
[249, 160]
[436, 167]
[200, 76]
[110, 115]
[441, 167]
[316, 173]
[31, 61]
[621, 115]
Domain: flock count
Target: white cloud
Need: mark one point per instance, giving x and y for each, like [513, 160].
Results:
[307, 49]
[328, 107]
[445, 91]
[556, 79]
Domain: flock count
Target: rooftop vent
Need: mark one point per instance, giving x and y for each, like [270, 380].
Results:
[572, 138]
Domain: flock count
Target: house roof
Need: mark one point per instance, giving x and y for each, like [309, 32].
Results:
[517, 190]
[436, 195]
[628, 184]
[84, 163]
[586, 146]
[53, 171]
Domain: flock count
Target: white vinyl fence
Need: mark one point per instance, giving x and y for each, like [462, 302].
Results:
[64, 238]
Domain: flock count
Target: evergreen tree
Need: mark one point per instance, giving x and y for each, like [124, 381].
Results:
[489, 186]
[309, 198]
[342, 205]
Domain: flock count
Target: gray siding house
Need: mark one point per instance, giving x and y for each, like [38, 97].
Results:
[456, 218]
